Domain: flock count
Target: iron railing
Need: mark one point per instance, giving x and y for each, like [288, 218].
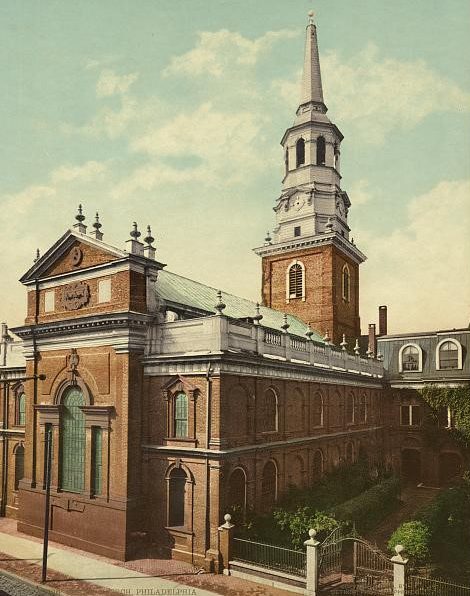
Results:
[423, 586]
[270, 557]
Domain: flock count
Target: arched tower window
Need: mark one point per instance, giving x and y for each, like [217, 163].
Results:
[72, 442]
[448, 354]
[318, 465]
[286, 160]
[350, 407]
[176, 497]
[346, 283]
[21, 409]
[180, 415]
[300, 152]
[19, 465]
[269, 486]
[321, 151]
[295, 280]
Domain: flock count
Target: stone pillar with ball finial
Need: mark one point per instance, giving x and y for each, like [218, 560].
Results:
[399, 571]
[313, 563]
[225, 542]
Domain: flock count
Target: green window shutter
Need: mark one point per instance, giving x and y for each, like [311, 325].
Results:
[22, 409]
[96, 459]
[72, 442]
[181, 415]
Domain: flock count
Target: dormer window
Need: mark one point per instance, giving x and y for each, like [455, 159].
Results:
[410, 358]
[300, 153]
[448, 355]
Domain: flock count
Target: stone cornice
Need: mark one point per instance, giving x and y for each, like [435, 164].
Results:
[312, 241]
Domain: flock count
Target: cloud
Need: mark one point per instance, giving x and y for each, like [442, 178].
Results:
[84, 173]
[216, 51]
[360, 192]
[421, 270]
[109, 83]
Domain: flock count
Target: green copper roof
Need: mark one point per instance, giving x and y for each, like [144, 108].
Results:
[187, 292]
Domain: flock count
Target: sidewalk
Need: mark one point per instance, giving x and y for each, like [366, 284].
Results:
[72, 572]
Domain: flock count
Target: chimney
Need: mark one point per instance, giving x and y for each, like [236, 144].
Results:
[372, 341]
[382, 320]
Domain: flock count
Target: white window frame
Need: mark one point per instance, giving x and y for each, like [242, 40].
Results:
[420, 358]
[410, 415]
[459, 353]
[289, 267]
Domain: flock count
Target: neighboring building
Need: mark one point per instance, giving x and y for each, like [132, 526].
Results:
[411, 361]
[170, 402]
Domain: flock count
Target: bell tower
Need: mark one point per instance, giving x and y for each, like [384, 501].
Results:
[310, 267]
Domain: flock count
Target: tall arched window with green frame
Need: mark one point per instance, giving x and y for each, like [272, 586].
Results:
[72, 442]
[181, 415]
[21, 409]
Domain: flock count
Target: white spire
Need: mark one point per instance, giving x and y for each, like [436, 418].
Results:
[311, 89]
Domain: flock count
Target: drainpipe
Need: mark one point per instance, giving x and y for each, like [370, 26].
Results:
[208, 438]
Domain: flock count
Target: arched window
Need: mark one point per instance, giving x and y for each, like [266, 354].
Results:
[180, 420]
[237, 489]
[270, 410]
[321, 151]
[448, 354]
[300, 153]
[72, 442]
[286, 160]
[350, 403]
[410, 358]
[269, 486]
[19, 465]
[176, 497]
[346, 283]
[295, 280]
[21, 408]
[318, 465]
[317, 410]
[350, 453]
[362, 410]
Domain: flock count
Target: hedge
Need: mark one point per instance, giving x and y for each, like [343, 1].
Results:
[369, 508]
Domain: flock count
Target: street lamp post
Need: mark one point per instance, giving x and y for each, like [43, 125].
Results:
[45, 545]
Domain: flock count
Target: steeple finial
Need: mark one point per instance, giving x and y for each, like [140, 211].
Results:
[311, 89]
[97, 233]
[149, 249]
[80, 226]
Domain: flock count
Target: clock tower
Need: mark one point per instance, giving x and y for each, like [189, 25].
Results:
[310, 265]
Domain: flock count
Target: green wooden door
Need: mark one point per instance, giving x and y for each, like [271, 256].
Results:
[72, 442]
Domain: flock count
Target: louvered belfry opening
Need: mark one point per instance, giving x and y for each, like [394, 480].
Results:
[295, 281]
[72, 442]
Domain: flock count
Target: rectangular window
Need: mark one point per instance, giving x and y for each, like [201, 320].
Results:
[49, 301]
[104, 290]
[410, 415]
[297, 231]
[96, 459]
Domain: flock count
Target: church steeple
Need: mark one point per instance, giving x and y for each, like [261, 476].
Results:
[311, 93]
[310, 267]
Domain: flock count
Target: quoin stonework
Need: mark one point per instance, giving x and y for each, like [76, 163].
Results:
[170, 402]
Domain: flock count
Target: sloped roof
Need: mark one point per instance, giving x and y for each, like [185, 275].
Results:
[187, 292]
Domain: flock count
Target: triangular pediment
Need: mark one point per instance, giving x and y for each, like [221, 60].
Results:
[72, 252]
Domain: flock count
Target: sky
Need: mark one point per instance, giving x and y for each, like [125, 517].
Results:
[170, 113]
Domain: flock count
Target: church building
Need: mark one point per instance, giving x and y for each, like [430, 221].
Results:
[170, 401]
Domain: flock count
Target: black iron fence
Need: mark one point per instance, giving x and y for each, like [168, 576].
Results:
[423, 586]
[270, 557]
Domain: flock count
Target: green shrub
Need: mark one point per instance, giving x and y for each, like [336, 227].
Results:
[370, 507]
[297, 523]
[415, 536]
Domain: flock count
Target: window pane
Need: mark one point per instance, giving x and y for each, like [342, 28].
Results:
[181, 415]
[72, 452]
[448, 355]
[415, 415]
[405, 415]
[177, 488]
[22, 409]
[410, 358]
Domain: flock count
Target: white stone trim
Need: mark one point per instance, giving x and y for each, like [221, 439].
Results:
[289, 267]
[86, 274]
[459, 353]
[420, 358]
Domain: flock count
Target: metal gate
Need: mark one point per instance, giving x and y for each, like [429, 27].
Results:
[331, 559]
[373, 570]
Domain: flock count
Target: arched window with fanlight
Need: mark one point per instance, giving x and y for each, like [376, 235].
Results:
[72, 441]
[295, 282]
[21, 408]
[317, 407]
[448, 355]
[300, 153]
[410, 358]
[269, 411]
[321, 151]
[346, 283]
[269, 486]
[236, 497]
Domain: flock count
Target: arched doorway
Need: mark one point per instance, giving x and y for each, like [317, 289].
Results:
[411, 465]
[450, 467]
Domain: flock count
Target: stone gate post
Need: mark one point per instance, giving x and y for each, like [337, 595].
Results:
[399, 571]
[312, 563]
[225, 543]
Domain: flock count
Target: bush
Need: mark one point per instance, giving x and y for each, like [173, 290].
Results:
[369, 508]
[297, 523]
[415, 536]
